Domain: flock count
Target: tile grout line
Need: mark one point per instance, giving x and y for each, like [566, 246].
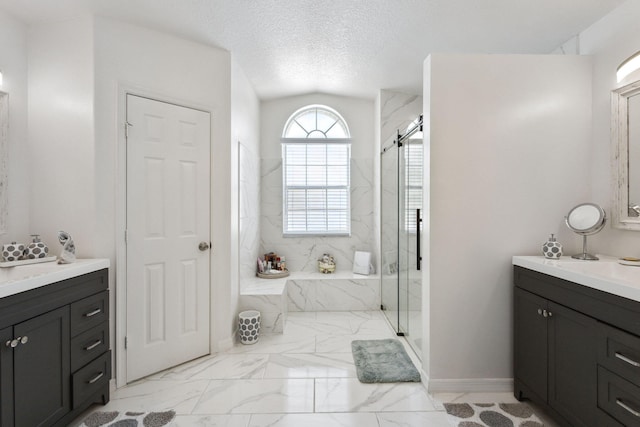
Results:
[200, 397]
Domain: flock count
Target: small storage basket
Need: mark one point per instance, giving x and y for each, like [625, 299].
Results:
[249, 326]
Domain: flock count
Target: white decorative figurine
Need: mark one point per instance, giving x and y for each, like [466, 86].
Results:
[68, 254]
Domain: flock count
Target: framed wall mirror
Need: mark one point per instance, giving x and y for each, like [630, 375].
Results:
[4, 160]
[625, 156]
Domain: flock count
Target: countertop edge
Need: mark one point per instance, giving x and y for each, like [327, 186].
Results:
[545, 266]
[58, 273]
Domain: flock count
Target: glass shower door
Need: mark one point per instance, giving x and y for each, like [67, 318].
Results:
[401, 272]
[410, 277]
[389, 234]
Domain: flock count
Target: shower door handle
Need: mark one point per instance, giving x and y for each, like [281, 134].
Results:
[418, 257]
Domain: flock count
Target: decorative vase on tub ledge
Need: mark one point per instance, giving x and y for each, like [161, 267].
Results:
[326, 264]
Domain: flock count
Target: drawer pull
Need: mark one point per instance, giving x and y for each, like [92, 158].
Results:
[626, 359]
[96, 378]
[627, 408]
[93, 313]
[94, 345]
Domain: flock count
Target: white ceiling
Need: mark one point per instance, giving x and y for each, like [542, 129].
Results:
[347, 47]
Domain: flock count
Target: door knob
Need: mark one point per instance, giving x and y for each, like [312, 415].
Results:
[203, 246]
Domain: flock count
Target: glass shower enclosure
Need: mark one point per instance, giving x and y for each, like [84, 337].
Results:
[401, 216]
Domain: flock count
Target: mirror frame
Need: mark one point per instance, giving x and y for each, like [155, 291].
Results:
[593, 229]
[620, 157]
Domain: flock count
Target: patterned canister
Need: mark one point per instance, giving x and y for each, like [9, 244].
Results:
[36, 249]
[552, 249]
[13, 251]
[249, 326]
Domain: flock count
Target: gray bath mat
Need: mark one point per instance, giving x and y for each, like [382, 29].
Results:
[129, 419]
[492, 415]
[383, 361]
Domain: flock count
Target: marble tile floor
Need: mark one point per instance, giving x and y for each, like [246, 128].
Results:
[303, 377]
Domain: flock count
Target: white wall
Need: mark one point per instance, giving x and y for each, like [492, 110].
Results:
[245, 130]
[13, 64]
[188, 73]
[609, 41]
[61, 133]
[302, 253]
[507, 144]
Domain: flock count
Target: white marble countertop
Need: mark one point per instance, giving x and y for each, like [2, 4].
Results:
[605, 274]
[14, 280]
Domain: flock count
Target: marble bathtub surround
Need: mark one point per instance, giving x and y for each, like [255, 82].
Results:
[335, 293]
[275, 298]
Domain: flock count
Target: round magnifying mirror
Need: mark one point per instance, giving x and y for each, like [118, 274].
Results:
[586, 219]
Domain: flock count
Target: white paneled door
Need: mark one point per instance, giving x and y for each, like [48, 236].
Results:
[168, 239]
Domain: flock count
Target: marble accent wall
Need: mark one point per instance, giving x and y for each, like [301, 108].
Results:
[302, 252]
[397, 111]
[249, 200]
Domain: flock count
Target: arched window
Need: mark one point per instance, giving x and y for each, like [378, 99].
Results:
[316, 155]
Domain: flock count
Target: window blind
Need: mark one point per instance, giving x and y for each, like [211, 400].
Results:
[412, 183]
[316, 187]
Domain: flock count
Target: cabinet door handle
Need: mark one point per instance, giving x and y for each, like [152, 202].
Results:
[545, 313]
[96, 378]
[93, 313]
[14, 342]
[627, 408]
[94, 345]
[540, 311]
[626, 359]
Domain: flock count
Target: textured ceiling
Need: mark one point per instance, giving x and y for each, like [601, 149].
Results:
[348, 47]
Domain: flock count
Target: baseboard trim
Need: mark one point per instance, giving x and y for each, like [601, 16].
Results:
[424, 378]
[225, 344]
[470, 385]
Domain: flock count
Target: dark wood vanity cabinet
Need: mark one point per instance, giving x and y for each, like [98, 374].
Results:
[54, 351]
[554, 357]
[576, 351]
